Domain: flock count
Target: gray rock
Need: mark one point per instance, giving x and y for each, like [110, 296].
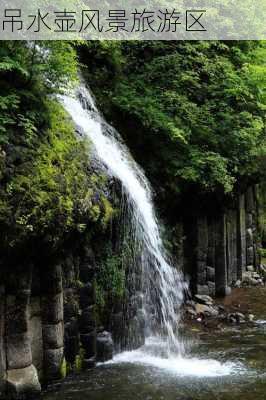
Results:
[105, 346]
[250, 268]
[203, 299]
[238, 284]
[248, 280]
[236, 317]
[18, 351]
[206, 310]
[255, 275]
[53, 359]
[23, 383]
[250, 317]
[191, 311]
[53, 337]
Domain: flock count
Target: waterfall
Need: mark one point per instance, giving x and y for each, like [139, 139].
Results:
[163, 285]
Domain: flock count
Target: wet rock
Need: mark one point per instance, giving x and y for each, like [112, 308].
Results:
[23, 383]
[203, 299]
[105, 346]
[206, 310]
[248, 280]
[250, 268]
[237, 284]
[191, 312]
[250, 317]
[190, 303]
[236, 317]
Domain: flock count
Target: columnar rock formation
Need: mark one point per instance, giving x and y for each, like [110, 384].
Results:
[48, 321]
[220, 247]
[48, 325]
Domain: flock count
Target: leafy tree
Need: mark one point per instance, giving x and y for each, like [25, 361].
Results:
[193, 113]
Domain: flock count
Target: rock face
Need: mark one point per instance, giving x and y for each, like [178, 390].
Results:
[48, 313]
[220, 245]
[48, 324]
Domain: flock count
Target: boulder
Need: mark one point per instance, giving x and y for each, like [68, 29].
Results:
[250, 317]
[203, 299]
[206, 310]
[248, 280]
[236, 317]
[23, 383]
[250, 268]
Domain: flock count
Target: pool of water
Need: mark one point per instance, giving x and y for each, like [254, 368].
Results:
[224, 363]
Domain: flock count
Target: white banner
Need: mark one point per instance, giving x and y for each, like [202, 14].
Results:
[132, 20]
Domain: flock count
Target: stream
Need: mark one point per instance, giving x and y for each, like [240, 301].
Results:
[225, 362]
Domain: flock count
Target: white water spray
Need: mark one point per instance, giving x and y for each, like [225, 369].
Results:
[164, 350]
[159, 276]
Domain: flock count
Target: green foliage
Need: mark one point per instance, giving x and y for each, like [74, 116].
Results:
[47, 190]
[195, 109]
[110, 281]
[53, 194]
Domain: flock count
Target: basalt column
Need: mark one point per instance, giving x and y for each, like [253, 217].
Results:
[21, 375]
[52, 321]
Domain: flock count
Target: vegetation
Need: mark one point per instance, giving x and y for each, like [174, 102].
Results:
[47, 189]
[195, 109]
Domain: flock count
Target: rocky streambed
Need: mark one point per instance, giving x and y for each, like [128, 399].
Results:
[226, 359]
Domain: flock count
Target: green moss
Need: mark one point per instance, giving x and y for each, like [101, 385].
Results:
[79, 361]
[63, 368]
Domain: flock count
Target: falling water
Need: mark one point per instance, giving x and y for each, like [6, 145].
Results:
[163, 283]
